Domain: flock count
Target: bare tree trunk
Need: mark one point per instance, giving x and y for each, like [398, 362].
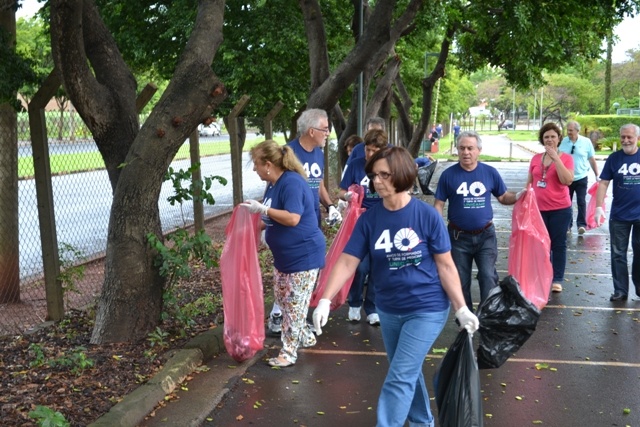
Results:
[9, 236]
[607, 75]
[103, 90]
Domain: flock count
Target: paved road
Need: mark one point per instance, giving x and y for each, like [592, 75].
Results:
[580, 368]
[82, 204]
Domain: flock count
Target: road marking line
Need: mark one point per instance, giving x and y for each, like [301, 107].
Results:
[566, 273]
[511, 359]
[579, 307]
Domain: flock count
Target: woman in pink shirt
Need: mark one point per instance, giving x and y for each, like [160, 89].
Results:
[550, 174]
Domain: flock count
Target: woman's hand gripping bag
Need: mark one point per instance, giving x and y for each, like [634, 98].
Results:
[351, 216]
[529, 250]
[242, 295]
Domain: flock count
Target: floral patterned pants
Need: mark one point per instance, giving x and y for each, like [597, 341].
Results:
[293, 293]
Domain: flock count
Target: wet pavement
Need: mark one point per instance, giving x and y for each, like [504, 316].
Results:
[581, 367]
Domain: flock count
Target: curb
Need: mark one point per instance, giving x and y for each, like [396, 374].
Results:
[135, 406]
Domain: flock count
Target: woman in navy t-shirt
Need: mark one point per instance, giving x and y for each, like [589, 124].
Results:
[297, 244]
[416, 280]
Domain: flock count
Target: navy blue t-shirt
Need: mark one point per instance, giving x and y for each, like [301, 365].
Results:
[298, 248]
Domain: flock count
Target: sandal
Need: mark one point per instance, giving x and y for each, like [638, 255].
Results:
[277, 362]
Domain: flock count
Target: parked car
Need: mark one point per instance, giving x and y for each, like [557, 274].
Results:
[212, 130]
[507, 124]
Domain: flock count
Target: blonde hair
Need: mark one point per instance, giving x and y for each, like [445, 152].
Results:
[281, 156]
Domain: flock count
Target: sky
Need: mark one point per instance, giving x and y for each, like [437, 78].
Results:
[627, 31]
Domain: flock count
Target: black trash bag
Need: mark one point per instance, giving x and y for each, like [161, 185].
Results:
[425, 173]
[457, 386]
[507, 320]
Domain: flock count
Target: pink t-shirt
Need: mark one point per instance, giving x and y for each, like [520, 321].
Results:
[550, 193]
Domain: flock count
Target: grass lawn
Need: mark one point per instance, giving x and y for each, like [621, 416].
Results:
[87, 161]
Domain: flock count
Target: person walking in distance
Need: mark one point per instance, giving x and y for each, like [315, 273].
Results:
[623, 169]
[468, 187]
[581, 149]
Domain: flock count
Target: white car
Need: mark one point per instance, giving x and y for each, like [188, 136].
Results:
[212, 130]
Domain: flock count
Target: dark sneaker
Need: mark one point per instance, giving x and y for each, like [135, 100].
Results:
[275, 323]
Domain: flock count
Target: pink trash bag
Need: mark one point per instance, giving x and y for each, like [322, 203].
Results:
[351, 216]
[591, 207]
[242, 296]
[530, 250]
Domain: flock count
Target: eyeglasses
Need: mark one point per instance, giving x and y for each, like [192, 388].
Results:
[326, 130]
[383, 176]
[573, 148]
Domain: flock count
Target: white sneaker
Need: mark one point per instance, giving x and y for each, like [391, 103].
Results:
[354, 314]
[581, 230]
[275, 323]
[373, 319]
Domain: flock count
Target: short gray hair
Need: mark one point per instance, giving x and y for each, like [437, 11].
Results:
[469, 134]
[379, 121]
[309, 119]
[631, 125]
[575, 124]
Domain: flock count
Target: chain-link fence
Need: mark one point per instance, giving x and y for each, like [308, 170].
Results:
[81, 196]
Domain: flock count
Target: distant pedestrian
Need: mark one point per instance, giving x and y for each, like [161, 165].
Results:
[550, 174]
[439, 130]
[468, 187]
[456, 131]
[416, 282]
[581, 149]
[623, 168]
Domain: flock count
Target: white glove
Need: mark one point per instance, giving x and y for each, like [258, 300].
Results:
[520, 193]
[321, 315]
[342, 205]
[599, 216]
[255, 206]
[467, 319]
[334, 215]
[348, 195]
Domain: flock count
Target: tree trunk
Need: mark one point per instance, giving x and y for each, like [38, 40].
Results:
[103, 91]
[9, 236]
[607, 75]
[428, 84]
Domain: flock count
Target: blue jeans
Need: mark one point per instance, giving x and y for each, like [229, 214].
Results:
[557, 223]
[356, 291]
[481, 248]
[407, 339]
[620, 231]
[579, 187]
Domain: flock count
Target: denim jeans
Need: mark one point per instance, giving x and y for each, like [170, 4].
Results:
[557, 223]
[407, 339]
[356, 291]
[579, 187]
[481, 248]
[620, 231]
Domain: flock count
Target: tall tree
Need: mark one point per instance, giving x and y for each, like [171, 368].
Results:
[103, 91]
[11, 68]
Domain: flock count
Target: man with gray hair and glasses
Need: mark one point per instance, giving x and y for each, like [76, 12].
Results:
[581, 149]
